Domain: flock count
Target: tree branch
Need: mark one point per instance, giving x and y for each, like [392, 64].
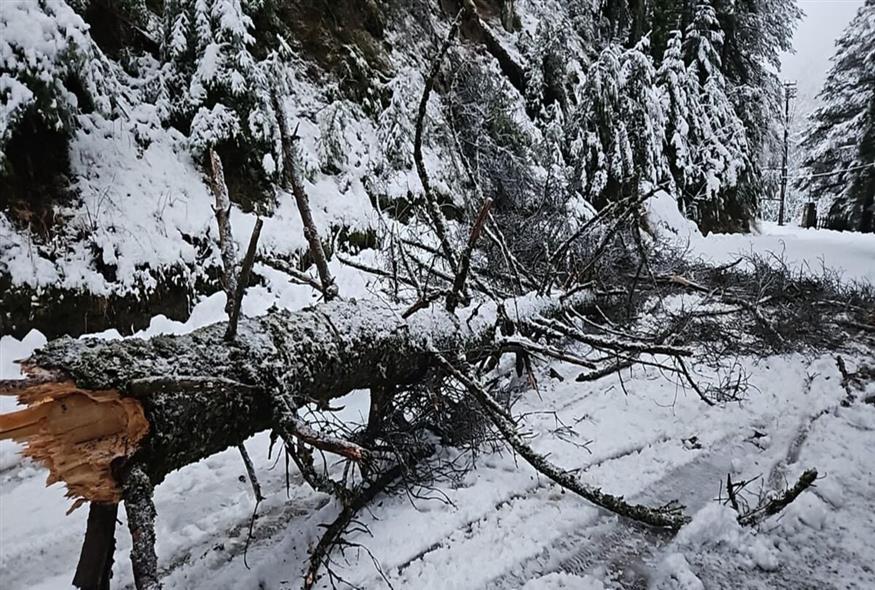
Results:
[137, 492]
[243, 282]
[670, 516]
[292, 179]
[465, 264]
[227, 247]
[431, 206]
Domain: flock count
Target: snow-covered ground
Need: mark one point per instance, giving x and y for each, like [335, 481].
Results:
[504, 527]
[850, 254]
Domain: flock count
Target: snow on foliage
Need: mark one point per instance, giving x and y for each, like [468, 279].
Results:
[598, 113]
[46, 56]
[720, 153]
[839, 170]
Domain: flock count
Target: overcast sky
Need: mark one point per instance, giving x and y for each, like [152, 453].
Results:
[822, 24]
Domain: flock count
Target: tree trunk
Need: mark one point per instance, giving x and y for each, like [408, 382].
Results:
[198, 394]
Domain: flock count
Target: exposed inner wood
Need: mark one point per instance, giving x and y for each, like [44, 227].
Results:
[76, 433]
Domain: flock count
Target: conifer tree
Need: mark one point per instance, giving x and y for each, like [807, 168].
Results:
[839, 168]
[601, 150]
[719, 201]
[213, 85]
[643, 113]
[681, 109]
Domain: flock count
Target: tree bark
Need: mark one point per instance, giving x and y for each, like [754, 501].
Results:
[95, 561]
[201, 394]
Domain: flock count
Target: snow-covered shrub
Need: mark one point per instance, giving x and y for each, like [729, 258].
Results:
[48, 67]
[211, 127]
[395, 128]
[212, 83]
[485, 117]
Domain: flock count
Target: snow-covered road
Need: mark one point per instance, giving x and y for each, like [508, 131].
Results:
[501, 526]
[850, 254]
[505, 527]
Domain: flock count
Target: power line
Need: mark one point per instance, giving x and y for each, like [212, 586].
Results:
[821, 174]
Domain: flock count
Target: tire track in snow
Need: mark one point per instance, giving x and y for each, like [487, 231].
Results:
[516, 499]
[621, 548]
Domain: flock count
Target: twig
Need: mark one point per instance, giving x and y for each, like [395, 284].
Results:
[372, 269]
[333, 532]
[515, 343]
[423, 303]
[256, 488]
[605, 371]
[776, 505]
[605, 343]
[290, 426]
[297, 275]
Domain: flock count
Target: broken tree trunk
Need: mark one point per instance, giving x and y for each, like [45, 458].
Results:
[173, 400]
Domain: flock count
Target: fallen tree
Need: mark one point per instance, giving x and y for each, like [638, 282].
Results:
[112, 419]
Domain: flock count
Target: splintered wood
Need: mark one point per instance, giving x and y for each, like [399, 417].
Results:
[74, 432]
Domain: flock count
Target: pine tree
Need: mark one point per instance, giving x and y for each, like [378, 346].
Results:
[642, 112]
[840, 142]
[720, 147]
[681, 107]
[212, 85]
[756, 33]
[600, 146]
[619, 128]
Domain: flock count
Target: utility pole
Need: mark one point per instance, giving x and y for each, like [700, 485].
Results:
[789, 92]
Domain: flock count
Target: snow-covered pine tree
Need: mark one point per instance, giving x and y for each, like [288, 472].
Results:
[755, 34]
[839, 169]
[600, 146]
[215, 88]
[682, 109]
[618, 130]
[719, 200]
[643, 113]
[550, 56]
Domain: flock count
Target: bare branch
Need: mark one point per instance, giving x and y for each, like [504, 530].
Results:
[431, 206]
[776, 505]
[670, 516]
[285, 268]
[227, 247]
[292, 179]
[243, 281]
[465, 264]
